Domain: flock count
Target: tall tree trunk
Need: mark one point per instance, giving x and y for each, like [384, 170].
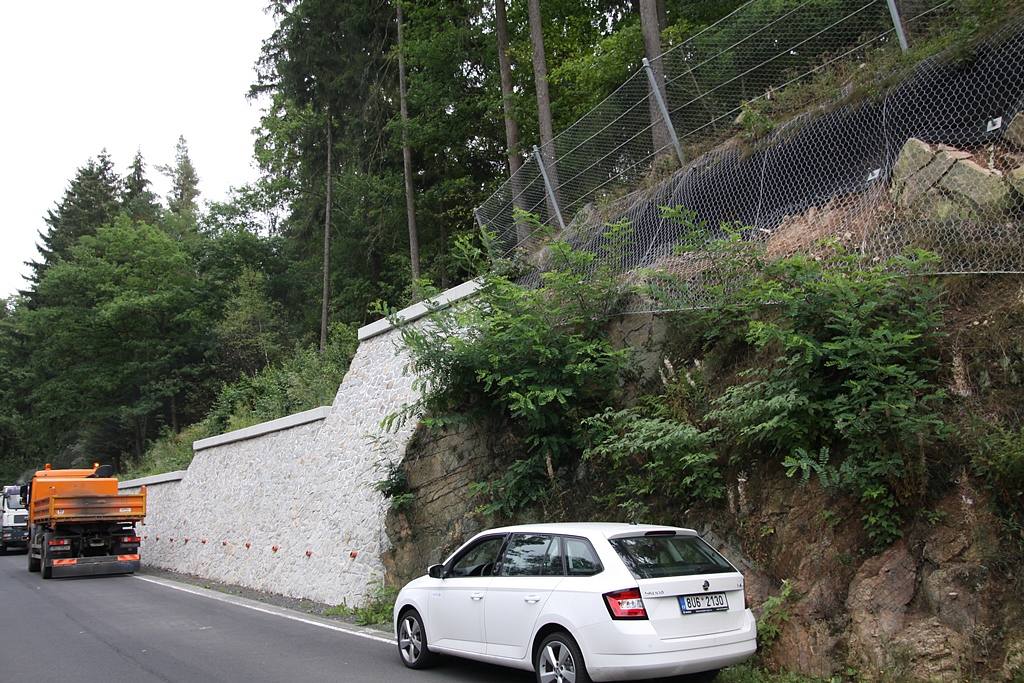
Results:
[174, 414]
[410, 202]
[515, 162]
[650, 24]
[327, 239]
[540, 79]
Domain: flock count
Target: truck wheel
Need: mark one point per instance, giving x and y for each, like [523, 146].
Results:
[33, 563]
[47, 570]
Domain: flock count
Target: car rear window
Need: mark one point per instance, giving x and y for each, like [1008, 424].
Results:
[652, 557]
[580, 558]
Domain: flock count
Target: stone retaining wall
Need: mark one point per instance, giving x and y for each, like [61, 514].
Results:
[290, 506]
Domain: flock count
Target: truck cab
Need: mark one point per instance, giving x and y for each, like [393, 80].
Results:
[13, 519]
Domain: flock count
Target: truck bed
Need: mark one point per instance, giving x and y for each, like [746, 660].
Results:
[79, 509]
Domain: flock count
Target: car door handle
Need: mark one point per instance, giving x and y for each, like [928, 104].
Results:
[476, 596]
[531, 599]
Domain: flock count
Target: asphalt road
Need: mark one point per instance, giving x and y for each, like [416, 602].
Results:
[130, 629]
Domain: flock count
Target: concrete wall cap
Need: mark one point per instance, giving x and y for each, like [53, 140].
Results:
[277, 425]
[418, 310]
[152, 479]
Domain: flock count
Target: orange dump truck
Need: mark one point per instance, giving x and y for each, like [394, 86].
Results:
[79, 525]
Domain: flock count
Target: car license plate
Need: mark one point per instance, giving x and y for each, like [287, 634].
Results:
[703, 602]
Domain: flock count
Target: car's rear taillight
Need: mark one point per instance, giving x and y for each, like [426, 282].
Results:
[625, 604]
[60, 541]
[130, 539]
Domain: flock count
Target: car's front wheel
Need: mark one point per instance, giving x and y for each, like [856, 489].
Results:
[412, 641]
[559, 660]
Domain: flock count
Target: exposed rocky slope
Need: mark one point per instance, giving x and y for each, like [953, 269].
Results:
[943, 603]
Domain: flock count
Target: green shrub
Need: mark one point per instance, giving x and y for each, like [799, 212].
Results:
[170, 452]
[302, 381]
[652, 458]
[377, 610]
[840, 364]
[997, 458]
[774, 615]
[532, 359]
[846, 384]
[394, 486]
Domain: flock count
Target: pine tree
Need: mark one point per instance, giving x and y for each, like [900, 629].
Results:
[137, 199]
[184, 181]
[90, 202]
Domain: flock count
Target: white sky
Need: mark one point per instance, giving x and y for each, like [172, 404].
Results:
[80, 75]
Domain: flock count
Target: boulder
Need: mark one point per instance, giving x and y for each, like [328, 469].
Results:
[915, 155]
[1015, 132]
[983, 188]
[938, 207]
[925, 179]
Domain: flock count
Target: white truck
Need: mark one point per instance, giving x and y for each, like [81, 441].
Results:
[14, 528]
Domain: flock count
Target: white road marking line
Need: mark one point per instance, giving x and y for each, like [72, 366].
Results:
[256, 608]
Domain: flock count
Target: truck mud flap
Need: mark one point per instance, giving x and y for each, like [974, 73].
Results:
[95, 566]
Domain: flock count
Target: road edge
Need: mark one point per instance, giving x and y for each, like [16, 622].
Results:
[274, 610]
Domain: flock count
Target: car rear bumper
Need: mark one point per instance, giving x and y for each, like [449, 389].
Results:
[93, 566]
[640, 654]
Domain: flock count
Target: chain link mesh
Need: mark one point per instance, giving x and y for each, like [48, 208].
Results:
[924, 156]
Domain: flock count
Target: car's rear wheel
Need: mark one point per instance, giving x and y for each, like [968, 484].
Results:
[559, 660]
[412, 641]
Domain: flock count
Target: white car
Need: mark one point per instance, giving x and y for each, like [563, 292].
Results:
[580, 602]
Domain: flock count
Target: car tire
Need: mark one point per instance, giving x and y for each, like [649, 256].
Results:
[412, 641]
[559, 654]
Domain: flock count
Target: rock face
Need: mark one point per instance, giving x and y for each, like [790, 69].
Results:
[878, 602]
[439, 470]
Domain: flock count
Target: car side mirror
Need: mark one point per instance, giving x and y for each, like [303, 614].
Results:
[435, 571]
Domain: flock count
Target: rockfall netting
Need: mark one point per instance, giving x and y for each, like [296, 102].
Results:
[890, 152]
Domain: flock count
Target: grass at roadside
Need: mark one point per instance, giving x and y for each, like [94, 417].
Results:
[376, 611]
[748, 673]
